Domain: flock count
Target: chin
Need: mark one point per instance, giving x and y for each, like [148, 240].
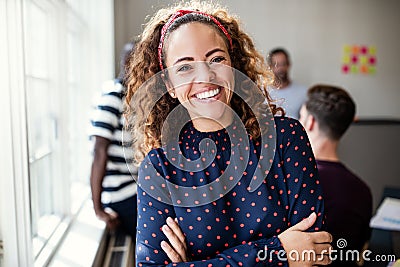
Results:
[217, 111]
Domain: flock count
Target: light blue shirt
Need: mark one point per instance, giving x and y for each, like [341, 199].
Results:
[290, 98]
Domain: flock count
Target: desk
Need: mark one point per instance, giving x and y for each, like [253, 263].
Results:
[384, 242]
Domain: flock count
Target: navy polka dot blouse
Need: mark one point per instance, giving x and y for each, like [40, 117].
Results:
[232, 227]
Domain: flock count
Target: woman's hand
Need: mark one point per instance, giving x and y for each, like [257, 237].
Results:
[176, 248]
[304, 248]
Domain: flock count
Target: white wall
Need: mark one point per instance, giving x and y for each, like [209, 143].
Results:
[314, 32]
[129, 19]
[369, 151]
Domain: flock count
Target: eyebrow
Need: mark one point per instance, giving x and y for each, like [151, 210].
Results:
[209, 53]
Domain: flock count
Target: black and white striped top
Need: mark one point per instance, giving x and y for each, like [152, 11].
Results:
[107, 121]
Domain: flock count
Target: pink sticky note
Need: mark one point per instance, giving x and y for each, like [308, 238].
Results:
[364, 50]
[345, 69]
[372, 60]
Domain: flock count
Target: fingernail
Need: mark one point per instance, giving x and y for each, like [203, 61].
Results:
[165, 228]
[170, 220]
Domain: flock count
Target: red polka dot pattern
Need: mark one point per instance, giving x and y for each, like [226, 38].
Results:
[233, 229]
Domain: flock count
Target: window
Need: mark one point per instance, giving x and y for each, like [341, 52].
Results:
[43, 117]
[63, 51]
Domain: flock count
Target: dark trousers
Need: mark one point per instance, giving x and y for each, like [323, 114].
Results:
[127, 214]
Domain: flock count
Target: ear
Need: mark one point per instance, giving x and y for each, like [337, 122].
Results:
[167, 82]
[311, 122]
[307, 119]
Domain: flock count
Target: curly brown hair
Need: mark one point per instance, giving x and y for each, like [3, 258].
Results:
[148, 109]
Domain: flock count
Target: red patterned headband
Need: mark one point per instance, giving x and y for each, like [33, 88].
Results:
[178, 14]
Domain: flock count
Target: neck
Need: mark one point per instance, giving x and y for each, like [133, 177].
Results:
[325, 149]
[205, 125]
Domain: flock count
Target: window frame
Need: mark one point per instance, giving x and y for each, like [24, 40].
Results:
[15, 194]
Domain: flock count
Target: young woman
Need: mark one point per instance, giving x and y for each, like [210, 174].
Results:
[204, 138]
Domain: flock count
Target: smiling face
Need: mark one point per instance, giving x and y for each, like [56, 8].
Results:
[199, 74]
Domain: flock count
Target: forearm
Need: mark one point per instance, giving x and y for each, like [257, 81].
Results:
[152, 216]
[263, 252]
[98, 171]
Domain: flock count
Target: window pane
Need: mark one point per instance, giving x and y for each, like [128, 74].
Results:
[41, 121]
[42, 138]
[78, 115]
[62, 70]
[37, 37]
[42, 124]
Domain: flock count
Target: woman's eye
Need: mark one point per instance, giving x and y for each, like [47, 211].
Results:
[217, 60]
[183, 68]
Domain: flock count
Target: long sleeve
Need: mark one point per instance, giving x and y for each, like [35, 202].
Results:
[304, 192]
[152, 216]
[241, 227]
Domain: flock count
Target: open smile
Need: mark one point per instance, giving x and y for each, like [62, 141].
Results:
[209, 94]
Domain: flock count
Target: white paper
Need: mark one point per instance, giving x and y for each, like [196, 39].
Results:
[388, 215]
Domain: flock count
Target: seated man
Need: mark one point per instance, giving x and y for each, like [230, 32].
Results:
[326, 115]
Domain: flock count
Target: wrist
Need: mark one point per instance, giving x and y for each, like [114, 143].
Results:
[98, 211]
[271, 250]
[283, 241]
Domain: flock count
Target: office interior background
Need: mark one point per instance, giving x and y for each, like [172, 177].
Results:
[55, 55]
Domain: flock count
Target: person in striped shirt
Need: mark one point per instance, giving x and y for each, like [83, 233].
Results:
[113, 173]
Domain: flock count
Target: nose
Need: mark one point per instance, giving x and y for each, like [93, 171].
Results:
[279, 65]
[205, 72]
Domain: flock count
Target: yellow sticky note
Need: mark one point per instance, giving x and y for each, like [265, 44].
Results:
[363, 60]
[372, 50]
[346, 59]
[347, 49]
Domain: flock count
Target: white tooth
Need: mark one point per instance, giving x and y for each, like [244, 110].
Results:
[212, 93]
[215, 92]
[208, 94]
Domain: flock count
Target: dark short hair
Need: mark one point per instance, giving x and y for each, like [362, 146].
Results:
[332, 107]
[277, 51]
[124, 58]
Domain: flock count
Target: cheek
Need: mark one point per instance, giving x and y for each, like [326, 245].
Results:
[182, 92]
[225, 77]
[229, 94]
